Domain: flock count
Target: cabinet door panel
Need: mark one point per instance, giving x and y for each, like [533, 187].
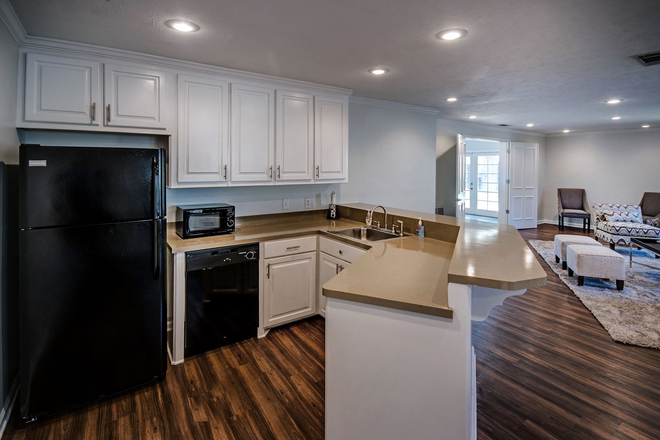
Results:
[331, 138]
[294, 146]
[329, 266]
[253, 133]
[133, 97]
[62, 90]
[290, 288]
[203, 145]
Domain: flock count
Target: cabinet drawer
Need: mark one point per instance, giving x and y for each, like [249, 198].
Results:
[340, 250]
[289, 246]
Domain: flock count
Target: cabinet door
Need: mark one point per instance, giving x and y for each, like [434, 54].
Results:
[289, 288]
[133, 97]
[252, 133]
[331, 138]
[294, 143]
[62, 90]
[329, 266]
[203, 146]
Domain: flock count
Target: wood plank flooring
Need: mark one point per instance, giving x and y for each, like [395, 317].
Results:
[546, 369]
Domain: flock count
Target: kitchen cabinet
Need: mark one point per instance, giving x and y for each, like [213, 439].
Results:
[133, 97]
[331, 138]
[294, 143]
[252, 133]
[203, 130]
[329, 266]
[62, 90]
[289, 288]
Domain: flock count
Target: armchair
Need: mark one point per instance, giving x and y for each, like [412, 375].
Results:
[650, 205]
[572, 203]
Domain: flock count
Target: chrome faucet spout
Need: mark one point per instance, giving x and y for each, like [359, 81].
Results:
[370, 215]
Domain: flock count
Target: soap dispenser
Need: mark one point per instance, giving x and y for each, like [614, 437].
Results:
[420, 228]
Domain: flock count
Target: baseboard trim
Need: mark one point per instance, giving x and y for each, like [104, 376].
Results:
[5, 414]
[169, 355]
[569, 224]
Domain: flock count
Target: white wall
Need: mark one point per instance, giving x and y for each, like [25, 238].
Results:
[613, 167]
[390, 162]
[475, 145]
[8, 85]
[446, 155]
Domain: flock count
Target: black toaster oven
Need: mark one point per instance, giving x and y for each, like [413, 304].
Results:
[205, 220]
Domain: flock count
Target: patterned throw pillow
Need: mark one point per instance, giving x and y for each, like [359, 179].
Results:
[655, 221]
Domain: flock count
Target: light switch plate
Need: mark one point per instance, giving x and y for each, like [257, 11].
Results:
[285, 203]
[308, 202]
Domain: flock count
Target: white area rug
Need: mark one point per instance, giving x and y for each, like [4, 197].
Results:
[631, 316]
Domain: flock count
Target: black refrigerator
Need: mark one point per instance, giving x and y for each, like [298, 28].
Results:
[91, 269]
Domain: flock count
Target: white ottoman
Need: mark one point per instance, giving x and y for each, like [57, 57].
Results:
[595, 262]
[563, 240]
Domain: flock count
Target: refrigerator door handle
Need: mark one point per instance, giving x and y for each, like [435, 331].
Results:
[158, 254]
[156, 183]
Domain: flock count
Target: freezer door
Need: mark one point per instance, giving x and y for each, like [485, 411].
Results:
[65, 186]
[92, 313]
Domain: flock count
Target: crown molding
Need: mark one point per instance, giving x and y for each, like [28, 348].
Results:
[10, 19]
[610, 131]
[391, 104]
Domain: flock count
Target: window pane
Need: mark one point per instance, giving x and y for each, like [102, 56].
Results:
[492, 169]
[483, 168]
[482, 205]
[494, 159]
[467, 204]
[493, 178]
[493, 197]
[483, 186]
[492, 187]
[482, 196]
[492, 206]
[482, 159]
[482, 178]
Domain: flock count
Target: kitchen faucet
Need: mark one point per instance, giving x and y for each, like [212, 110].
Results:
[370, 216]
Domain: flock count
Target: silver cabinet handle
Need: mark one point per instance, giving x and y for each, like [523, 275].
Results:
[224, 173]
[341, 268]
[270, 173]
[317, 171]
[278, 172]
[268, 271]
[109, 113]
[336, 268]
[291, 248]
[341, 252]
[93, 112]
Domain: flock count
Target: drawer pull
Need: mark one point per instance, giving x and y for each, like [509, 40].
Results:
[291, 248]
[341, 252]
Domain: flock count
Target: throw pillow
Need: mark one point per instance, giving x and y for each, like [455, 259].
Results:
[630, 215]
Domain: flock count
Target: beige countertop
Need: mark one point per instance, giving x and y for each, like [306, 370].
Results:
[409, 273]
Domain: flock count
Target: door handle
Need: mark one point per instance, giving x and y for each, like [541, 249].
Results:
[224, 173]
[270, 173]
[336, 268]
[158, 244]
[268, 271]
[317, 171]
[93, 112]
[109, 113]
[278, 172]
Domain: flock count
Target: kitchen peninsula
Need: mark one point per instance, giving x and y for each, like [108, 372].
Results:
[399, 360]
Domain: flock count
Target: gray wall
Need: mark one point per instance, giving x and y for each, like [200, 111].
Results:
[391, 163]
[613, 167]
[446, 155]
[8, 154]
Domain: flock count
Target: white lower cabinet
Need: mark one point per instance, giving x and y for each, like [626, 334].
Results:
[289, 288]
[329, 266]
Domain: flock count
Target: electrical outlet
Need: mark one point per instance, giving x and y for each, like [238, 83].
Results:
[285, 203]
[308, 202]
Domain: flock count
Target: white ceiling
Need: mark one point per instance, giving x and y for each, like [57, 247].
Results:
[549, 62]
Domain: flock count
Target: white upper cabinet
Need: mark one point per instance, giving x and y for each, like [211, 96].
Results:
[203, 134]
[294, 142]
[331, 138]
[252, 133]
[62, 90]
[133, 97]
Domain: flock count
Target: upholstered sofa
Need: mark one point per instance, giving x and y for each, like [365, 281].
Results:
[617, 224]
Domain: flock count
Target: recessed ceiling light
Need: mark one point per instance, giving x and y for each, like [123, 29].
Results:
[451, 34]
[182, 25]
[452, 99]
[616, 118]
[613, 101]
[472, 116]
[530, 125]
[566, 131]
[378, 71]
[645, 126]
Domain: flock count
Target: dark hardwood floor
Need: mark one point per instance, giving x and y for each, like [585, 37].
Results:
[546, 369]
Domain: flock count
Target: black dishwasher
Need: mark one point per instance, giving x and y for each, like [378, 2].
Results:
[222, 297]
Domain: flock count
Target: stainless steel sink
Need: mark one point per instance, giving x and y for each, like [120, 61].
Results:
[367, 234]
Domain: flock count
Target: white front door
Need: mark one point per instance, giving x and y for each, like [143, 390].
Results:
[460, 177]
[485, 183]
[523, 186]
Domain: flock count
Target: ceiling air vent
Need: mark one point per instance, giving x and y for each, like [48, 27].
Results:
[504, 125]
[648, 59]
